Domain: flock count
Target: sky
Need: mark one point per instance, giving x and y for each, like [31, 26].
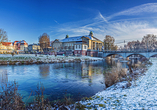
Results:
[122, 19]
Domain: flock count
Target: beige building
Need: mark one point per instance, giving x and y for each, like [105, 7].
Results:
[34, 48]
[78, 45]
[6, 47]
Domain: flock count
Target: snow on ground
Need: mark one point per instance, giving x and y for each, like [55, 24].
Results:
[50, 56]
[45, 58]
[141, 95]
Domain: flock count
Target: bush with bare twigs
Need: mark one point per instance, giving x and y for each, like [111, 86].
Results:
[10, 99]
[115, 75]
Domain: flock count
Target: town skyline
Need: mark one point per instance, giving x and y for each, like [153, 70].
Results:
[124, 20]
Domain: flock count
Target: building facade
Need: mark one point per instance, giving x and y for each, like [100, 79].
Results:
[6, 47]
[34, 48]
[20, 46]
[80, 45]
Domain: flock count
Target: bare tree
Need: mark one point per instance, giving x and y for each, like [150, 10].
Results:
[3, 36]
[44, 41]
[133, 45]
[149, 41]
[109, 43]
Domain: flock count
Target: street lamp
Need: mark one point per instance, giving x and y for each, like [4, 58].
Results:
[124, 45]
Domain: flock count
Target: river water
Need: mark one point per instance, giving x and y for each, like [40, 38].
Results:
[76, 80]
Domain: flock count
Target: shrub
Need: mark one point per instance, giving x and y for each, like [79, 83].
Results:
[111, 77]
[123, 72]
[115, 75]
[39, 102]
[10, 98]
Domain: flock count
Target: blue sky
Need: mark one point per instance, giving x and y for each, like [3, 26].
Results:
[122, 19]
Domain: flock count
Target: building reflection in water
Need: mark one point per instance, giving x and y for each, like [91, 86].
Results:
[44, 70]
[86, 71]
[90, 75]
[89, 70]
[3, 76]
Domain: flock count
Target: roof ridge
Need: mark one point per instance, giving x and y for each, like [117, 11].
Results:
[96, 38]
[78, 36]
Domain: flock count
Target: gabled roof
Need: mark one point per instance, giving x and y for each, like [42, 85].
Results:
[23, 42]
[77, 38]
[32, 44]
[71, 39]
[55, 41]
[92, 38]
[15, 42]
[6, 43]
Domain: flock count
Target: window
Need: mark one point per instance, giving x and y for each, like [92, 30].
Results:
[84, 47]
[79, 46]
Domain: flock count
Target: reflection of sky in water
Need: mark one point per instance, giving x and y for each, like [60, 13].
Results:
[77, 79]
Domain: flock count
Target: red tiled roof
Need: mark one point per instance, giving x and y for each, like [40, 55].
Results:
[6, 43]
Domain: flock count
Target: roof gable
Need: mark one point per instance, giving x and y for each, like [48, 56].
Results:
[6, 43]
[71, 39]
[77, 38]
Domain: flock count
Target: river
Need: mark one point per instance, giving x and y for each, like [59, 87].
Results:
[75, 80]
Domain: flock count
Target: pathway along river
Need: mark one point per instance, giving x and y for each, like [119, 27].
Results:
[76, 80]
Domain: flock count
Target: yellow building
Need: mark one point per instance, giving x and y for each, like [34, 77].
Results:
[80, 45]
[6, 47]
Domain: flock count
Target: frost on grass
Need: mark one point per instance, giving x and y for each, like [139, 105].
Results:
[31, 59]
[139, 96]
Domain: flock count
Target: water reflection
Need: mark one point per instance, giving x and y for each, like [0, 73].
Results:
[3, 76]
[76, 78]
[44, 70]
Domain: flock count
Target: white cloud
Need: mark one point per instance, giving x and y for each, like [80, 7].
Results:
[56, 21]
[103, 17]
[137, 10]
[122, 29]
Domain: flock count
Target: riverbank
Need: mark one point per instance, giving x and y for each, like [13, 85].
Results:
[108, 99]
[6, 59]
[141, 94]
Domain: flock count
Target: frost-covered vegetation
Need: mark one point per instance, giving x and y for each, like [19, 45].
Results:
[38, 59]
[141, 94]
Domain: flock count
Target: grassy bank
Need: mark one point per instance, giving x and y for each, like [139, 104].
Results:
[40, 59]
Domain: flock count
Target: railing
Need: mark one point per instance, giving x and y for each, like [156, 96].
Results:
[127, 51]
